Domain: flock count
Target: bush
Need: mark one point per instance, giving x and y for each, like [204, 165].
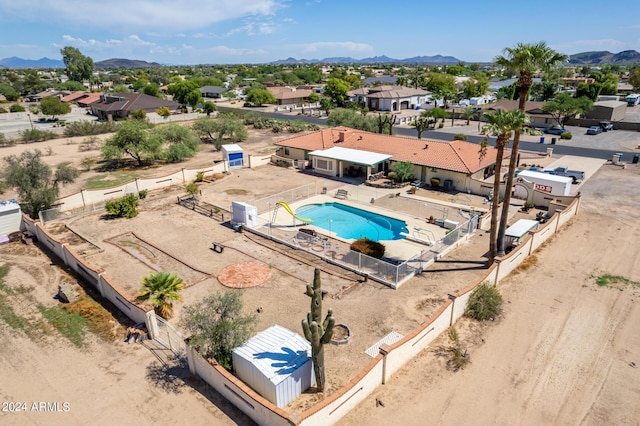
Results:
[37, 135]
[88, 128]
[199, 176]
[192, 188]
[142, 194]
[368, 247]
[16, 108]
[566, 136]
[460, 137]
[484, 303]
[4, 141]
[126, 206]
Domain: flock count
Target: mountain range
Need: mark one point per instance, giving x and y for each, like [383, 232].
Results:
[626, 57]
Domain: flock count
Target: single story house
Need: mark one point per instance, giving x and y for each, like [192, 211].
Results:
[533, 110]
[342, 151]
[289, 96]
[608, 110]
[389, 98]
[213, 92]
[121, 105]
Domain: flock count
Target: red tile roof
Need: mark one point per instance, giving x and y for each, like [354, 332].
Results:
[73, 96]
[458, 156]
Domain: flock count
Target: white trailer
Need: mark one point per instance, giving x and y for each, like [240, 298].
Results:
[545, 182]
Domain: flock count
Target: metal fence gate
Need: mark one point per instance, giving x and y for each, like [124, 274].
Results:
[170, 338]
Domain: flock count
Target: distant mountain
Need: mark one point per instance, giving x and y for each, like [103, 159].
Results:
[125, 63]
[14, 62]
[626, 57]
[438, 59]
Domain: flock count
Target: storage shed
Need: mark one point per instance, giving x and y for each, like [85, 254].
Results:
[10, 217]
[233, 154]
[276, 363]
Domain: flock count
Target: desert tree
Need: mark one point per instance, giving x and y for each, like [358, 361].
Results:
[78, 66]
[218, 325]
[36, 183]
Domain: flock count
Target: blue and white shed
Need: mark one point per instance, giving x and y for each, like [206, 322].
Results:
[233, 154]
[10, 217]
[276, 363]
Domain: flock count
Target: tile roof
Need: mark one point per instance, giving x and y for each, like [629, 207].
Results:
[73, 96]
[287, 93]
[135, 101]
[385, 92]
[458, 156]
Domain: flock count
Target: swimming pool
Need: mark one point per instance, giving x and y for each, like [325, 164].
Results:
[353, 223]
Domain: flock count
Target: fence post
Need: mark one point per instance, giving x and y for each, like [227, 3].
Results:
[453, 306]
[152, 324]
[384, 351]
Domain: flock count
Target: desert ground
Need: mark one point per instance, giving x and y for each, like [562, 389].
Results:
[563, 351]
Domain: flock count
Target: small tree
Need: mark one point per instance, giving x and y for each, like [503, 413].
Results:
[208, 107]
[316, 331]
[192, 189]
[403, 170]
[126, 206]
[484, 303]
[37, 185]
[217, 326]
[161, 289]
[52, 105]
[259, 97]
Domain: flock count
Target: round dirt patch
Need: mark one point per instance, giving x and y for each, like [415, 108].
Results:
[244, 275]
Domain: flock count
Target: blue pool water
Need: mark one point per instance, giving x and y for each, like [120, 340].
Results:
[352, 223]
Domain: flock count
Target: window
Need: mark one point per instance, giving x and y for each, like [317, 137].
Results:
[286, 150]
[324, 164]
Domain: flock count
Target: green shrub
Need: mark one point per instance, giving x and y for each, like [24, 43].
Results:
[2, 110]
[88, 128]
[460, 137]
[199, 176]
[368, 247]
[37, 135]
[192, 188]
[4, 141]
[142, 194]
[126, 206]
[484, 303]
[566, 136]
[16, 108]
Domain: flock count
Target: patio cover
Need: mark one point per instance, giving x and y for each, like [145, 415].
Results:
[356, 156]
[521, 227]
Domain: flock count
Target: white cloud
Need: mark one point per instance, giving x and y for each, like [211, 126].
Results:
[140, 15]
[336, 46]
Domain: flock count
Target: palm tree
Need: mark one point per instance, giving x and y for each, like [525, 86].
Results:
[503, 123]
[161, 289]
[468, 113]
[525, 59]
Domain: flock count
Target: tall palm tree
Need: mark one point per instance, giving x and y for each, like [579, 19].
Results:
[525, 59]
[503, 123]
[161, 289]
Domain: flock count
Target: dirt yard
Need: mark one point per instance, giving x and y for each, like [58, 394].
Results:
[565, 351]
[576, 366]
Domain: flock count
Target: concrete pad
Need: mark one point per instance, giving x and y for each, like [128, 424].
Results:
[588, 165]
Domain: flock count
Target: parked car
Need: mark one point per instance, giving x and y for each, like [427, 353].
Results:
[555, 130]
[575, 175]
[606, 126]
[594, 130]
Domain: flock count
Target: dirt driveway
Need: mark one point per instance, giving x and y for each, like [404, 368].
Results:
[565, 351]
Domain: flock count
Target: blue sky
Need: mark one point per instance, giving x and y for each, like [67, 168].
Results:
[259, 31]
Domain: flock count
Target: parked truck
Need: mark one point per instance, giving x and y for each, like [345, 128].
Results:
[633, 99]
[545, 182]
[575, 175]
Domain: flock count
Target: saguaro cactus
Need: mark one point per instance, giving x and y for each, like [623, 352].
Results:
[317, 333]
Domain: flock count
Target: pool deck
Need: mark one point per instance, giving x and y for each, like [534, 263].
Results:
[401, 249]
